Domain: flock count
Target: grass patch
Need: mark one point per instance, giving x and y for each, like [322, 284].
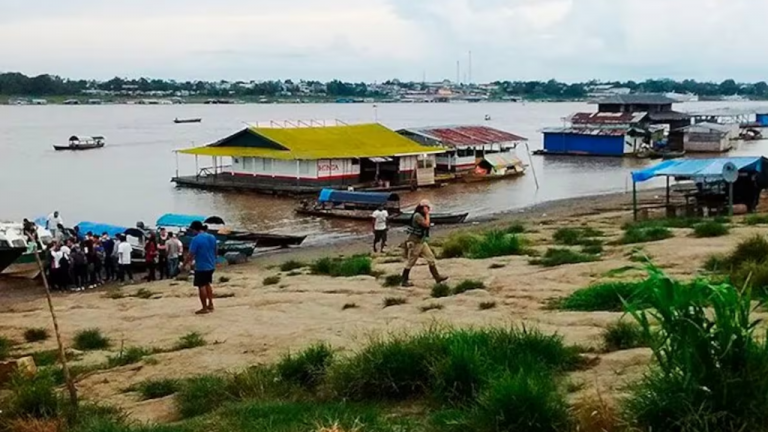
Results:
[189, 341]
[294, 273]
[487, 305]
[496, 266]
[440, 290]
[604, 297]
[5, 347]
[144, 294]
[90, 340]
[595, 249]
[271, 280]
[201, 395]
[32, 335]
[623, 335]
[431, 307]
[349, 306]
[156, 389]
[619, 271]
[292, 265]
[394, 301]
[114, 294]
[127, 356]
[554, 257]
[306, 369]
[645, 234]
[746, 266]
[343, 267]
[50, 357]
[582, 236]
[756, 219]
[33, 397]
[710, 229]
[468, 285]
[393, 280]
[487, 244]
[516, 228]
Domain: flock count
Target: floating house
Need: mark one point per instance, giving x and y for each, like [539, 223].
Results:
[468, 146]
[307, 159]
[658, 108]
[600, 134]
[746, 117]
[704, 138]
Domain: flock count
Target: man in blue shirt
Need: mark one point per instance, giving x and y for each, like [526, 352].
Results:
[203, 251]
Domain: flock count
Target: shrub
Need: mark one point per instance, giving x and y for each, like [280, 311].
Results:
[605, 297]
[90, 340]
[583, 236]
[127, 356]
[623, 335]
[144, 294]
[271, 280]
[5, 347]
[595, 249]
[308, 368]
[189, 341]
[751, 249]
[394, 301]
[556, 257]
[393, 280]
[458, 244]
[516, 228]
[468, 285]
[292, 265]
[34, 396]
[489, 244]
[487, 305]
[754, 275]
[201, 395]
[710, 229]
[645, 234]
[35, 335]
[156, 389]
[440, 290]
[114, 294]
[49, 357]
[756, 219]
[431, 307]
[710, 371]
[343, 267]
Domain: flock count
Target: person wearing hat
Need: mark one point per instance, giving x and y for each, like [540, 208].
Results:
[203, 251]
[416, 244]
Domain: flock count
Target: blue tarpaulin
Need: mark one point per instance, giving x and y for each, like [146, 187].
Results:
[697, 168]
[183, 221]
[99, 228]
[370, 198]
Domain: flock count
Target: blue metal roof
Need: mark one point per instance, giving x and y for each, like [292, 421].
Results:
[184, 221]
[99, 228]
[371, 198]
[712, 168]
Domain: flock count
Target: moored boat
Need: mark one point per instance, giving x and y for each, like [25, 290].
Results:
[180, 223]
[350, 205]
[25, 265]
[434, 218]
[495, 166]
[9, 252]
[188, 120]
[82, 143]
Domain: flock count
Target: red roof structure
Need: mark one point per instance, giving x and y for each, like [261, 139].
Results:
[463, 136]
[607, 118]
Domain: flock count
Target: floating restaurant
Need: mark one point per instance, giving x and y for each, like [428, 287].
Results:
[293, 160]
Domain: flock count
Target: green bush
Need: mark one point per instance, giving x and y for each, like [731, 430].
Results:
[582, 236]
[710, 229]
[623, 335]
[605, 297]
[458, 244]
[756, 219]
[645, 234]
[156, 389]
[90, 340]
[189, 341]
[49, 357]
[127, 356]
[554, 257]
[440, 290]
[343, 267]
[292, 265]
[468, 285]
[5, 347]
[711, 372]
[35, 335]
[753, 275]
[34, 396]
[271, 280]
[307, 369]
[515, 228]
[595, 249]
[394, 280]
[754, 248]
[201, 395]
[488, 244]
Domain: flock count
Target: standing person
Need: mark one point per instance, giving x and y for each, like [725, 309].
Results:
[65, 264]
[203, 251]
[109, 250]
[150, 255]
[174, 249]
[416, 244]
[380, 217]
[53, 222]
[124, 251]
[162, 254]
[79, 268]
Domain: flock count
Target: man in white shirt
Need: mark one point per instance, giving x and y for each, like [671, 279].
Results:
[53, 222]
[124, 250]
[380, 217]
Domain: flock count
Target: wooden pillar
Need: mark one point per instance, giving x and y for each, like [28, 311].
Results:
[197, 168]
[634, 200]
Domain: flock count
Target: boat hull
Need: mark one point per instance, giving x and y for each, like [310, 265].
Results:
[78, 148]
[361, 215]
[183, 121]
[434, 218]
[9, 255]
[264, 240]
[24, 267]
[489, 178]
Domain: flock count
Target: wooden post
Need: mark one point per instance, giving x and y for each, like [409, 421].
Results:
[634, 200]
[177, 164]
[197, 169]
[533, 169]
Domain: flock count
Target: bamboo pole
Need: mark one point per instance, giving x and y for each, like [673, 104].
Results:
[533, 169]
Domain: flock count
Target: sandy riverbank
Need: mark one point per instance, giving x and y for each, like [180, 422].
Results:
[255, 323]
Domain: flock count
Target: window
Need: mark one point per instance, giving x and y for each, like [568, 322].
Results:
[426, 163]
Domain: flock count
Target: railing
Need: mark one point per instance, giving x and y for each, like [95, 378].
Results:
[212, 171]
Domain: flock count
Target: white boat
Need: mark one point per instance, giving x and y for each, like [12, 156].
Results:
[26, 265]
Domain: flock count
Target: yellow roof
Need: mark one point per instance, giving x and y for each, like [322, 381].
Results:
[333, 142]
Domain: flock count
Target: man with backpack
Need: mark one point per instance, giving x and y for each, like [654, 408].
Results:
[416, 245]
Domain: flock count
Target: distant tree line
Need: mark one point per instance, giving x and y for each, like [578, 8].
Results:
[17, 84]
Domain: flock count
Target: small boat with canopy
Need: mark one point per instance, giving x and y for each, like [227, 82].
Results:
[350, 205]
[82, 143]
[179, 223]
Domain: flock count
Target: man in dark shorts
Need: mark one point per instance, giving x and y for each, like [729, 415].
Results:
[203, 251]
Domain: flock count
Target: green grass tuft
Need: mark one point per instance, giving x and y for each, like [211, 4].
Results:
[431, 307]
[393, 280]
[583, 236]
[488, 244]
[356, 265]
[5, 347]
[554, 257]
[292, 265]
[156, 389]
[595, 249]
[201, 395]
[189, 341]
[468, 285]
[623, 335]
[33, 397]
[144, 294]
[604, 297]
[756, 219]
[394, 301]
[32, 335]
[496, 266]
[224, 279]
[90, 340]
[306, 369]
[271, 280]
[515, 228]
[440, 290]
[127, 356]
[645, 234]
[710, 229]
[487, 305]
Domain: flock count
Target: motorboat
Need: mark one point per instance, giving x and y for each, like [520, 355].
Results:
[10, 251]
[82, 143]
[340, 204]
[25, 265]
[188, 120]
[217, 227]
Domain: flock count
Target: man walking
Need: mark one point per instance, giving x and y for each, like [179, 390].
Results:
[203, 251]
[380, 217]
[124, 250]
[416, 245]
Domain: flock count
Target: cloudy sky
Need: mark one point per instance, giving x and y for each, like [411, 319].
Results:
[380, 39]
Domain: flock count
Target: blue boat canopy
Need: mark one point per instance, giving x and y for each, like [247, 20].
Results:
[184, 221]
[698, 168]
[368, 198]
[100, 228]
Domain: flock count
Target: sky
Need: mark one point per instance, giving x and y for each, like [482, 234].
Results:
[375, 40]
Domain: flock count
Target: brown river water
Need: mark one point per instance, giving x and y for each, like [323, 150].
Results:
[129, 179]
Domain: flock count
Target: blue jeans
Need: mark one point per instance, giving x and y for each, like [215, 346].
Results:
[173, 267]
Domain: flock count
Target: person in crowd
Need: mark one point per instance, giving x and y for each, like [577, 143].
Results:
[416, 245]
[65, 264]
[108, 246]
[174, 248]
[162, 254]
[98, 263]
[380, 228]
[53, 222]
[79, 268]
[30, 230]
[203, 251]
[150, 255]
[54, 255]
[124, 251]
[60, 234]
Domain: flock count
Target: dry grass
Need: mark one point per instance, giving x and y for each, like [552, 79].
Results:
[595, 414]
[36, 425]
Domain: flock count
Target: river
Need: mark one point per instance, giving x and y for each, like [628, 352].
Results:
[129, 179]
